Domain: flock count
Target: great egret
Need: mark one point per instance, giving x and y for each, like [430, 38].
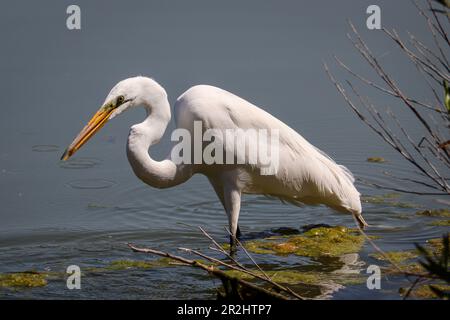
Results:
[305, 174]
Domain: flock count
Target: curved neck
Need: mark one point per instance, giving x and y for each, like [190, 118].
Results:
[159, 174]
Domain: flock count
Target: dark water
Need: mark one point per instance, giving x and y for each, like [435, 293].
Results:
[84, 211]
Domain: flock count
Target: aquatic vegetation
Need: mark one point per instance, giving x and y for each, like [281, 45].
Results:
[294, 277]
[396, 256]
[442, 213]
[316, 242]
[435, 245]
[23, 280]
[407, 259]
[411, 267]
[388, 199]
[425, 291]
[132, 264]
[92, 205]
[441, 223]
[376, 159]
[432, 265]
[118, 265]
[31, 279]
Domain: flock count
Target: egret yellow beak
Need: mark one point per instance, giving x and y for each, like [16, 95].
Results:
[98, 120]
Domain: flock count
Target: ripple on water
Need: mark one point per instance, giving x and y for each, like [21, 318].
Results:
[80, 163]
[91, 184]
[45, 148]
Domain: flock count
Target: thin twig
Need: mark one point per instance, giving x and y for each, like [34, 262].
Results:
[210, 269]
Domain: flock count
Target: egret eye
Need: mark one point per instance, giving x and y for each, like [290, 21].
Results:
[120, 100]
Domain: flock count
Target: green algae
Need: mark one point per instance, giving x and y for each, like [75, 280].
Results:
[442, 213]
[425, 291]
[389, 199]
[376, 159]
[382, 198]
[435, 245]
[136, 264]
[294, 277]
[316, 242]
[97, 206]
[396, 256]
[441, 223]
[118, 265]
[407, 260]
[23, 280]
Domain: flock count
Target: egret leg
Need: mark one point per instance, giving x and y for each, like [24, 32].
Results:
[232, 200]
[230, 197]
[238, 233]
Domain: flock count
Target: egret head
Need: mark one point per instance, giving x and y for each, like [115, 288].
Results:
[124, 95]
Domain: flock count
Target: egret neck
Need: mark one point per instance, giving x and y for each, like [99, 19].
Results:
[159, 174]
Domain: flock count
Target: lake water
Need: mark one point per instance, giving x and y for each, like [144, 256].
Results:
[83, 212]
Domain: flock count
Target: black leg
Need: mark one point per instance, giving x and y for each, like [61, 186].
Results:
[233, 245]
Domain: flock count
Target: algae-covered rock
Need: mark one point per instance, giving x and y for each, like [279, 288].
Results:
[316, 242]
[443, 213]
[23, 280]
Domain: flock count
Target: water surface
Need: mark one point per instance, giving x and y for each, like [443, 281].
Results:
[84, 211]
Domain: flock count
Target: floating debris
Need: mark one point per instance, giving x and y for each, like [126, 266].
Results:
[97, 206]
[376, 159]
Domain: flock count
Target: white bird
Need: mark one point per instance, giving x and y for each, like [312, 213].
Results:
[305, 174]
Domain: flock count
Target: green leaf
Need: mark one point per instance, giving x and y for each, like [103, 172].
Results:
[447, 96]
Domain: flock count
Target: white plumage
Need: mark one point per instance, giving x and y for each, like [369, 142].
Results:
[305, 174]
